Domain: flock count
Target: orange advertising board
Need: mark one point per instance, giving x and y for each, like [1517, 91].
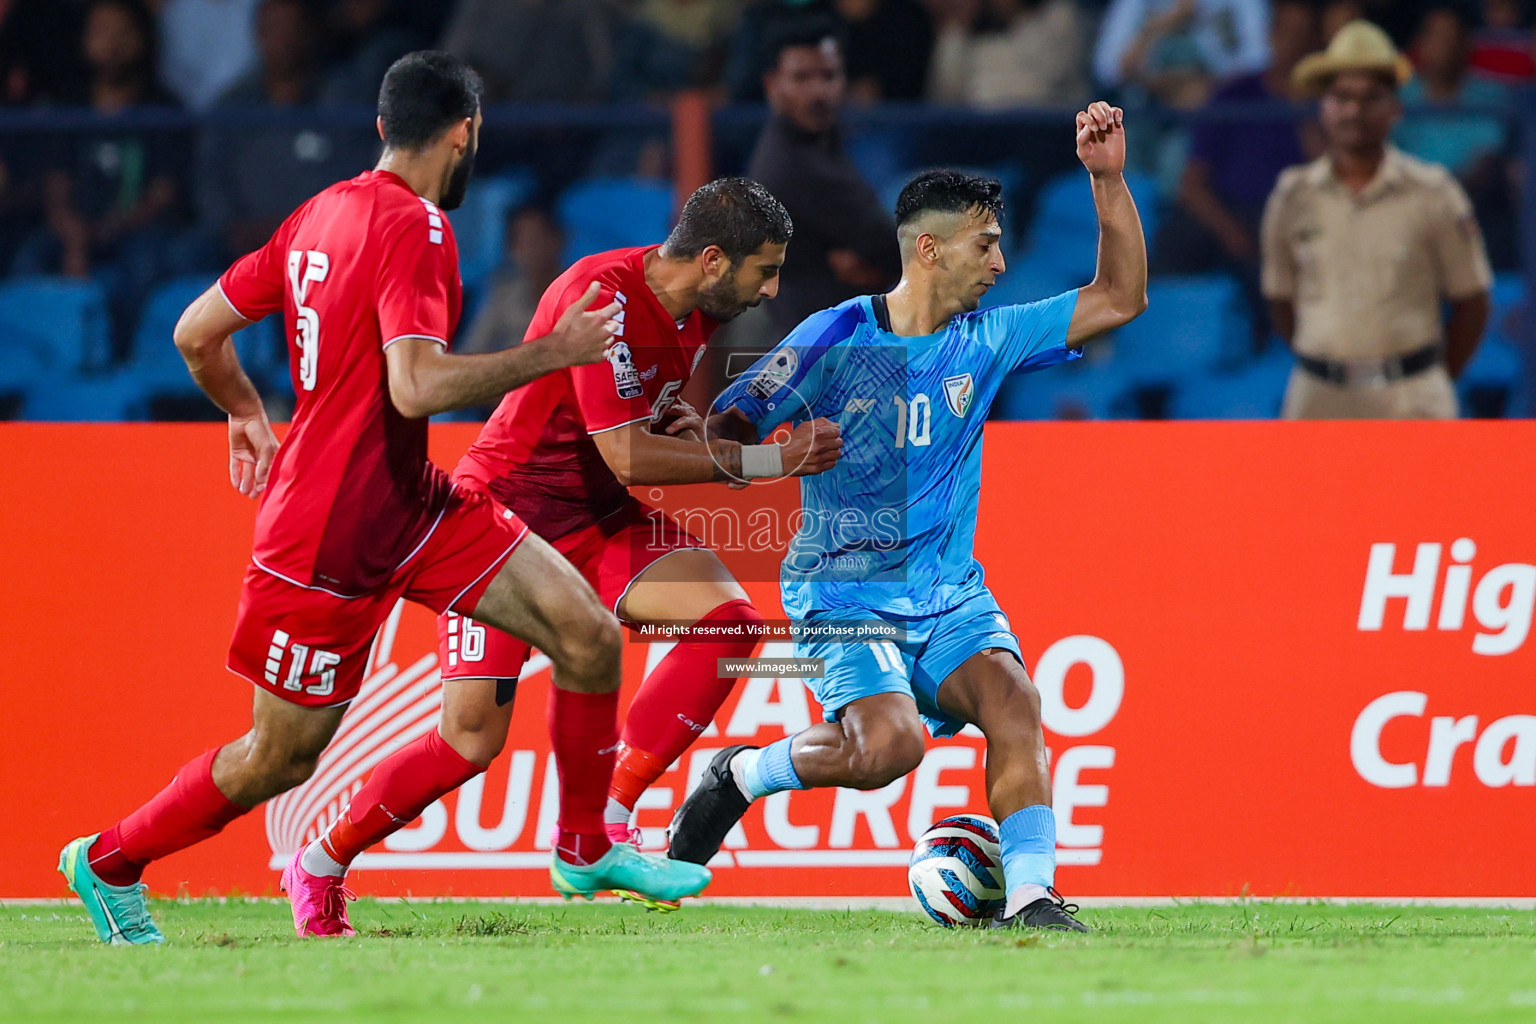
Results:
[1291, 659]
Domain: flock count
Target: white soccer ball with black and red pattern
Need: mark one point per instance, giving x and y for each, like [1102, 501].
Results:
[956, 871]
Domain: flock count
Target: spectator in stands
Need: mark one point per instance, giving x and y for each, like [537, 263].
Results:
[364, 38]
[535, 50]
[1010, 53]
[1363, 245]
[887, 46]
[1173, 48]
[533, 247]
[207, 45]
[252, 175]
[1470, 144]
[1474, 143]
[845, 240]
[1232, 166]
[40, 57]
[667, 45]
[1504, 48]
[110, 194]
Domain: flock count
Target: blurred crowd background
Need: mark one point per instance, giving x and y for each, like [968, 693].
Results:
[143, 145]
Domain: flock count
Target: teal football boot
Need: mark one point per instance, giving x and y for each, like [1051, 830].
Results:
[625, 868]
[119, 912]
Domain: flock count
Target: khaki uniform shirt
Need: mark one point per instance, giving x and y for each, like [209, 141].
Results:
[1367, 272]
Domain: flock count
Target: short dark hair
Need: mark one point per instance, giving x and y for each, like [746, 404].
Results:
[948, 191]
[737, 214]
[424, 94]
[799, 30]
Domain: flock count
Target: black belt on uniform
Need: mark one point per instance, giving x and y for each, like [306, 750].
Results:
[1373, 373]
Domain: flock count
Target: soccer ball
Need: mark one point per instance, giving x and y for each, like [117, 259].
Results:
[956, 871]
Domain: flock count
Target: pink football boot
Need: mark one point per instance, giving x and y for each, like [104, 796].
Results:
[319, 901]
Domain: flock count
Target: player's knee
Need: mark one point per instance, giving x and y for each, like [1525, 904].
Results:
[881, 759]
[475, 735]
[591, 651]
[1011, 705]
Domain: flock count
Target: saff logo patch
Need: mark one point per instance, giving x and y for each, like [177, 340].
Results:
[780, 367]
[959, 392]
[626, 380]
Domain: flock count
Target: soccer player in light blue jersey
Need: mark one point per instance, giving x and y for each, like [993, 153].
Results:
[887, 537]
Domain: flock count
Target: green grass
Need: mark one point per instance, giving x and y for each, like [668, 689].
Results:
[1253, 962]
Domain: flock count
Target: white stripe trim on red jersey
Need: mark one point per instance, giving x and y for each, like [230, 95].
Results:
[302, 586]
[225, 295]
[498, 563]
[353, 597]
[616, 426]
[452, 489]
[402, 337]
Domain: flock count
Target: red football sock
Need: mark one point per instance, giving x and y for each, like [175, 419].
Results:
[187, 811]
[678, 700]
[398, 789]
[583, 730]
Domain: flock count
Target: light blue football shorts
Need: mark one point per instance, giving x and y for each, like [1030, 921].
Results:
[935, 646]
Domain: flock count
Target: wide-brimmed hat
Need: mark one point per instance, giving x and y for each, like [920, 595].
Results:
[1357, 46]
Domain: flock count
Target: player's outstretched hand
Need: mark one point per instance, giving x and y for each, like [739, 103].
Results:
[583, 334]
[1101, 138]
[252, 447]
[813, 447]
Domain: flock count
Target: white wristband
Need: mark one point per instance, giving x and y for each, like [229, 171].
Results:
[761, 460]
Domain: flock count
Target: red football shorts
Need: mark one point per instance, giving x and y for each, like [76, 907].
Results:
[311, 647]
[608, 554]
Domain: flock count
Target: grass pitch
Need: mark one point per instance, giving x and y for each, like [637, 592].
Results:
[1255, 962]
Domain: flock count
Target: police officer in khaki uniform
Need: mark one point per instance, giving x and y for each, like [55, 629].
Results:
[1361, 248]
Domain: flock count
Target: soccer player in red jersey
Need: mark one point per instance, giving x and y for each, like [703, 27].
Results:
[561, 452]
[353, 516]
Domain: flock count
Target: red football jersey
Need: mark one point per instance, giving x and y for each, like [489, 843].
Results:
[536, 453]
[360, 266]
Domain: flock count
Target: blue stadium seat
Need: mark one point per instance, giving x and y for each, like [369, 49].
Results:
[1191, 324]
[480, 225]
[614, 213]
[1065, 226]
[1083, 390]
[21, 368]
[1492, 383]
[62, 321]
[1253, 392]
[1029, 280]
[83, 400]
[154, 362]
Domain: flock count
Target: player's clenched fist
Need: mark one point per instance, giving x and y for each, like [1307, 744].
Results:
[583, 335]
[813, 447]
[1101, 138]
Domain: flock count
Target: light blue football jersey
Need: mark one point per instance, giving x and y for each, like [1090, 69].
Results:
[890, 529]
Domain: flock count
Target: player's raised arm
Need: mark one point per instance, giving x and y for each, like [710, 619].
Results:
[1118, 293]
[203, 336]
[424, 379]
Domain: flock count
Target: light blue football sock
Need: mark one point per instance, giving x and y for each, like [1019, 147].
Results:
[766, 770]
[1029, 850]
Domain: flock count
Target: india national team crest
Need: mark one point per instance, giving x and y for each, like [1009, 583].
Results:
[958, 393]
